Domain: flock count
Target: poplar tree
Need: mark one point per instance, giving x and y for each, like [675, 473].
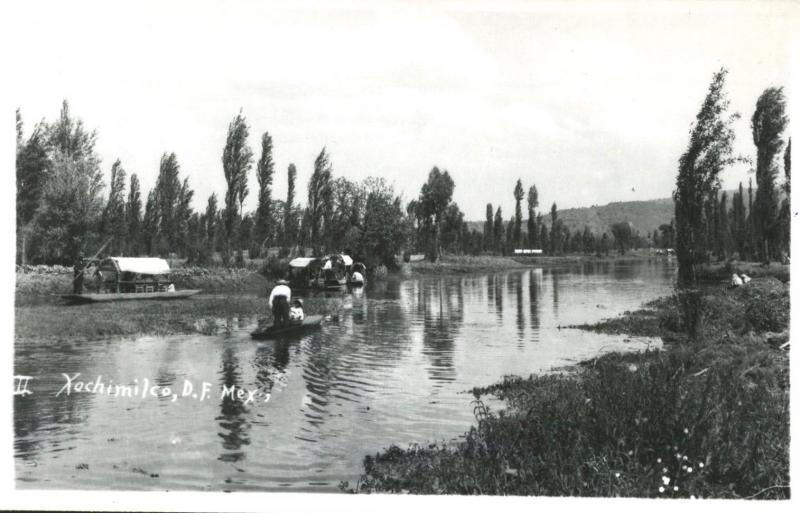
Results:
[320, 197]
[497, 231]
[133, 216]
[488, 237]
[768, 123]
[265, 169]
[709, 151]
[533, 204]
[168, 188]
[519, 195]
[289, 216]
[113, 220]
[237, 159]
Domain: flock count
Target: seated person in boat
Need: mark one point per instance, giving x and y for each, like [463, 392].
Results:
[279, 303]
[296, 313]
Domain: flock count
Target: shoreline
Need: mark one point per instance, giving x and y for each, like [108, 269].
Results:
[673, 422]
[454, 265]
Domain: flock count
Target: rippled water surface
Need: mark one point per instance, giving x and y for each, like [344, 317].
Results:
[394, 367]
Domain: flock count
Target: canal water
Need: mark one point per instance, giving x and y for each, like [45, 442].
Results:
[394, 367]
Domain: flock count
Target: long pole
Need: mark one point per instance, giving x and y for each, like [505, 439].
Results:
[91, 259]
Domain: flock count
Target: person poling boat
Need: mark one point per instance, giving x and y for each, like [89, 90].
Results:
[279, 303]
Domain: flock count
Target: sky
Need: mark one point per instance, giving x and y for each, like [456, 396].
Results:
[590, 101]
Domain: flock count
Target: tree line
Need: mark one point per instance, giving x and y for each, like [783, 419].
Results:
[755, 227]
[62, 212]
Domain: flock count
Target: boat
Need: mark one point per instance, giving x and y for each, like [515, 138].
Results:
[122, 296]
[334, 272]
[127, 278]
[266, 332]
[304, 272]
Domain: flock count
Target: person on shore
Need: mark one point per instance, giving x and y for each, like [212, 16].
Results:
[77, 275]
[279, 303]
[736, 281]
[296, 313]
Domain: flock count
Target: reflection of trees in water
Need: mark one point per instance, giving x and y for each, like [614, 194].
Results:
[534, 293]
[442, 303]
[270, 363]
[234, 426]
[496, 287]
[343, 359]
[520, 310]
[41, 418]
[554, 277]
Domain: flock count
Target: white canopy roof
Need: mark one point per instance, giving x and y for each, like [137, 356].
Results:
[301, 262]
[141, 265]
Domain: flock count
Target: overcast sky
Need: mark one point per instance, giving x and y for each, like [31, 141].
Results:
[591, 102]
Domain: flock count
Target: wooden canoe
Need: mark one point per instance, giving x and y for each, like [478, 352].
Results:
[269, 331]
[112, 296]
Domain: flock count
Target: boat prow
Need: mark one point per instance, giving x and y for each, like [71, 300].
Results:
[267, 332]
[125, 296]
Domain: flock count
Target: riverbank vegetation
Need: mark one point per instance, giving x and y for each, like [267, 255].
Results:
[703, 420]
[205, 314]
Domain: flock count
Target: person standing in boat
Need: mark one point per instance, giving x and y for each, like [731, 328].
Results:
[77, 272]
[279, 303]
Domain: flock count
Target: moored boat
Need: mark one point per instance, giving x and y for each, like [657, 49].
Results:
[127, 278]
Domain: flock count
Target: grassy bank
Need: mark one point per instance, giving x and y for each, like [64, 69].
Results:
[709, 419]
[719, 272]
[464, 264]
[38, 284]
[199, 314]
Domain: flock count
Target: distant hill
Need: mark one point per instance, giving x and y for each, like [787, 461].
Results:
[645, 216]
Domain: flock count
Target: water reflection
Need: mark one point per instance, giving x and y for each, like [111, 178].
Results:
[391, 367]
[534, 292]
[234, 427]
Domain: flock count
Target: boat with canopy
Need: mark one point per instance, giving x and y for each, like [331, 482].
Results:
[124, 278]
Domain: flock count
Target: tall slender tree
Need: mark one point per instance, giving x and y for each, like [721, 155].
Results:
[211, 218]
[555, 229]
[498, 230]
[133, 216]
[320, 196]
[289, 215]
[533, 204]
[768, 123]
[519, 195]
[237, 159]
[488, 236]
[265, 170]
[150, 224]
[113, 220]
[168, 188]
[709, 151]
